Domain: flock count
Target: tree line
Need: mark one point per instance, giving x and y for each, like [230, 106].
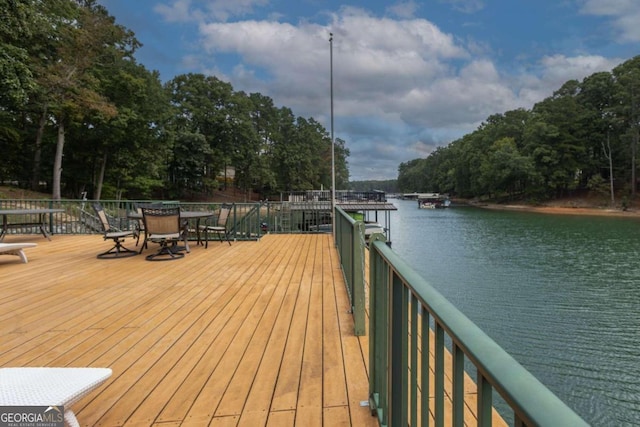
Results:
[582, 138]
[79, 115]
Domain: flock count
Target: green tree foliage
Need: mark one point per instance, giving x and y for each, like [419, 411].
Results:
[388, 186]
[585, 134]
[70, 88]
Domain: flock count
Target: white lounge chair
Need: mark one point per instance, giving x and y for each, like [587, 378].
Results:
[49, 387]
[16, 249]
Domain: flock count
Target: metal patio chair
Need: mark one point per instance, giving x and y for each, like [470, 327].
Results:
[164, 226]
[111, 233]
[220, 227]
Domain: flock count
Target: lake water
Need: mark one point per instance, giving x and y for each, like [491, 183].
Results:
[560, 293]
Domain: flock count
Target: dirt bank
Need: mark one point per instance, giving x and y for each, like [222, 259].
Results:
[563, 210]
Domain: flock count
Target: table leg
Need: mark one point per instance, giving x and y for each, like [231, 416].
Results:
[4, 228]
[198, 240]
[43, 228]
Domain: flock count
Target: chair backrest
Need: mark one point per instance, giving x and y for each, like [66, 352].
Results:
[161, 220]
[223, 215]
[141, 219]
[102, 216]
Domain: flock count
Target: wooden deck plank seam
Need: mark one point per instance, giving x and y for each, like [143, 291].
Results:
[258, 402]
[177, 338]
[166, 316]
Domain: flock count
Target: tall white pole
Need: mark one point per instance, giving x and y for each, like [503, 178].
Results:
[333, 145]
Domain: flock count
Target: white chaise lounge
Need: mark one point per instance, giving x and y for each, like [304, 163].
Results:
[49, 387]
[16, 249]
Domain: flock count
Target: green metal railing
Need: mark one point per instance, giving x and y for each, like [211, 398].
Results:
[78, 216]
[350, 245]
[406, 313]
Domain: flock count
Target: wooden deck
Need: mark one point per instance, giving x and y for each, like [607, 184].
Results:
[257, 333]
[253, 334]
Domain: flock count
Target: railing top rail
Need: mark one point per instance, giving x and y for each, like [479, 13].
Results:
[346, 216]
[531, 400]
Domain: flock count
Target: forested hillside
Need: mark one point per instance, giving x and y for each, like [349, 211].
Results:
[79, 114]
[582, 138]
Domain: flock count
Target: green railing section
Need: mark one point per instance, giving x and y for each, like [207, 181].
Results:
[297, 217]
[406, 313]
[350, 245]
[244, 221]
[78, 216]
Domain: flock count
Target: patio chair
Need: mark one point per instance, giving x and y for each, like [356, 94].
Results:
[164, 226]
[110, 233]
[220, 227]
[49, 387]
[140, 230]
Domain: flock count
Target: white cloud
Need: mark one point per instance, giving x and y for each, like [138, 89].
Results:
[374, 58]
[402, 87]
[177, 11]
[608, 7]
[404, 9]
[206, 10]
[624, 13]
[559, 68]
[465, 6]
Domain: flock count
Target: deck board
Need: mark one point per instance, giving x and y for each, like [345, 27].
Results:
[253, 334]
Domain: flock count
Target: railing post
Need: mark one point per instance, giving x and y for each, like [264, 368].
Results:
[399, 351]
[485, 401]
[458, 385]
[439, 374]
[357, 277]
[378, 338]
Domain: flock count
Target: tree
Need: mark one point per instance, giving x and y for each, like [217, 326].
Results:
[201, 106]
[24, 25]
[69, 75]
[627, 77]
[69, 82]
[555, 140]
[505, 169]
[17, 23]
[597, 95]
[246, 144]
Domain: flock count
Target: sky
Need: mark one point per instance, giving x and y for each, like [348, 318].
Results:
[408, 76]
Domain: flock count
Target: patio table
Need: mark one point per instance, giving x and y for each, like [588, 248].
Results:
[184, 215]
[41, 222]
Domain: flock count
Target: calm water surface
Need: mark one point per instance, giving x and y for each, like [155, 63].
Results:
[560, 293]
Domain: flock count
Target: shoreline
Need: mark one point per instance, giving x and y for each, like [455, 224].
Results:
[562, 210]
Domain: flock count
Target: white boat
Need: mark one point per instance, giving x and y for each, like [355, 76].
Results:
[372, 227]
[433, 201]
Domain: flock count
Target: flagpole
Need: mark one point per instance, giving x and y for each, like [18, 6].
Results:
[333, 150]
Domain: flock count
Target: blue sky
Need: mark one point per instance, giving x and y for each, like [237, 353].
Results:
[409, 76]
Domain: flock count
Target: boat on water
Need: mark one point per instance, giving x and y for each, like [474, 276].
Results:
[433, 201]
[371, 227]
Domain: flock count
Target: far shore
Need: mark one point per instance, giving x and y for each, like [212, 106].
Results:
[562, 210]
